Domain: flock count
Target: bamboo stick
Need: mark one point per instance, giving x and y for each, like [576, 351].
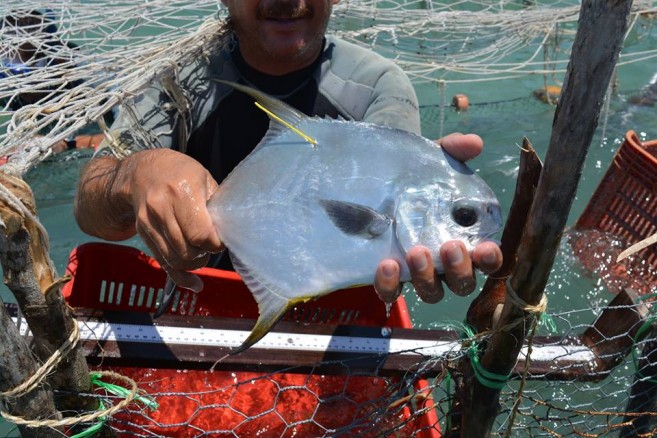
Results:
[602, 27]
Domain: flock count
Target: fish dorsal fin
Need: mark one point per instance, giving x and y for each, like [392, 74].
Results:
[355, 219]
[276, 110]
[271, 306]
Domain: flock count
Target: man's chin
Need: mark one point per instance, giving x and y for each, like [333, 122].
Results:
[286, 47]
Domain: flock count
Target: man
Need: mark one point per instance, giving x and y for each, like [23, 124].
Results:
[277, 46]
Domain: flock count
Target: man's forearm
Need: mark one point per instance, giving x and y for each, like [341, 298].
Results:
[102, 207]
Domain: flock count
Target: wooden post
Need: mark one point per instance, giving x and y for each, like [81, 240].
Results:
[602, 27]
[29, 273]
[484, 307]
[643, 397]
[17, 365]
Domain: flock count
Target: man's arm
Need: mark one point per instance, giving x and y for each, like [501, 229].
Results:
[159, 194]
[99, 207]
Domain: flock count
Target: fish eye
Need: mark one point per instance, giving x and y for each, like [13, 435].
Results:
[464, 216]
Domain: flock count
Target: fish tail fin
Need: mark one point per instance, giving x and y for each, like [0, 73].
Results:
[271, 306]
[271, 310]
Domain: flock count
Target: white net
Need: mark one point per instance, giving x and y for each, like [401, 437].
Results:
[66, 64]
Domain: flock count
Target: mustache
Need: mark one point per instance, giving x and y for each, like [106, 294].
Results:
[288, 10]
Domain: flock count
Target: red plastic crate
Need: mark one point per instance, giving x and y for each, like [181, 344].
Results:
[113, 277]
[621, 212]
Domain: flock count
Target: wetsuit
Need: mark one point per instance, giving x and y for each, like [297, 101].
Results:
[222, 125]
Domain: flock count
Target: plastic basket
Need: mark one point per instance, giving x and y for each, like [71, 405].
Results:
[113, 277]
[621, 212]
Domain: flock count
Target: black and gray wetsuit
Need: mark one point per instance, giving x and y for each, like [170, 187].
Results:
[224, 125]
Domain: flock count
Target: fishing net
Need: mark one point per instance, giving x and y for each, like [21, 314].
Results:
[66, 65]
[81, 61]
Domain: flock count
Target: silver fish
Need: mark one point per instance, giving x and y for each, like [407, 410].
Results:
[320, 202]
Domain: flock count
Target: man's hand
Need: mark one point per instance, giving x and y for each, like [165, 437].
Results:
[160, 194]
[459, 265]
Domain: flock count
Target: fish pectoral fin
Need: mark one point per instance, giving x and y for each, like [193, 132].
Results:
[355, 219]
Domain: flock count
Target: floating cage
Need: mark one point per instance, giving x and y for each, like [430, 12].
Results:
[119, 287]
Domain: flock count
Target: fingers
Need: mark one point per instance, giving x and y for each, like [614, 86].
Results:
[162, 233]
[185, 279]
[169, 192]
[423, 275]
[487, 256]
[463, 147]
[386, 281]
[459, 274]
[458, 265]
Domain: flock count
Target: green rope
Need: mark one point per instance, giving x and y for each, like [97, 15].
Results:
[448, 390]
[94, 428]
[116, 390]
[488, 379]
[641, 333]
[120, 391]
[548, 321]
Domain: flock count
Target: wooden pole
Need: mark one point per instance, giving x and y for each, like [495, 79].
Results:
[487, 307]
[643, 398]
[17, 365]
[29, 273]
[601, 30]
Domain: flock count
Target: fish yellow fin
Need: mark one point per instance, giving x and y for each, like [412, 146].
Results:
[276, 109]
[297, 131]
[271, 304]
[266, 321]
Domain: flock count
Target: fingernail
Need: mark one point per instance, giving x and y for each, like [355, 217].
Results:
[388, 270]
[419, 262]
[490, 259]
[454, 255]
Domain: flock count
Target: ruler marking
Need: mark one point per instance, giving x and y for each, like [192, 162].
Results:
[229, 338]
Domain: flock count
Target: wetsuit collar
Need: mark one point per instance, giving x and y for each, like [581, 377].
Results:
[280, 86]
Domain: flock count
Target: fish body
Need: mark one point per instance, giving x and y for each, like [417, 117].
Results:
[305, 216]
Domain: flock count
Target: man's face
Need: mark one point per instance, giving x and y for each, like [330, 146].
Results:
[280, 35]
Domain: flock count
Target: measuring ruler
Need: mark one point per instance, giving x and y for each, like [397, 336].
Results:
[173, 340]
